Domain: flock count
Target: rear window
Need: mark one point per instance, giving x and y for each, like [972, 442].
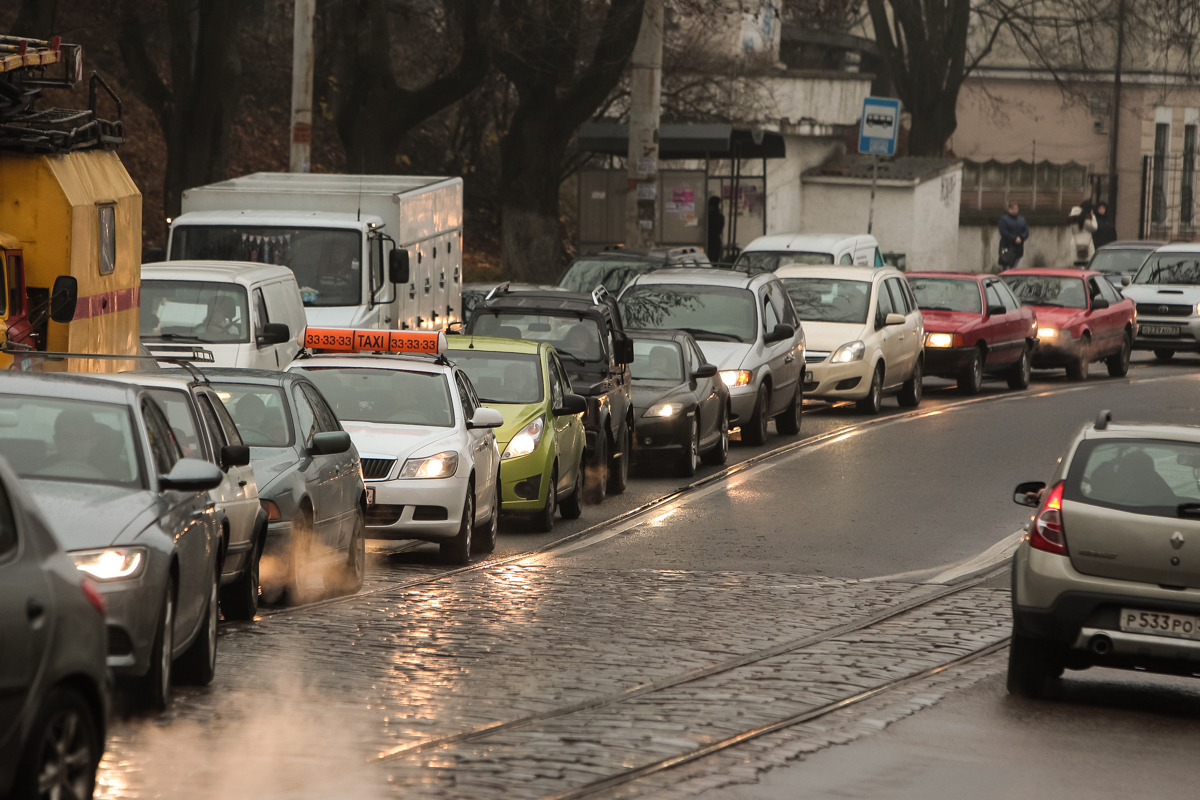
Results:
[1142, 476]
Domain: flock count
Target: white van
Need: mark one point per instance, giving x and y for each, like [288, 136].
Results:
[247, 315]
[769, 253]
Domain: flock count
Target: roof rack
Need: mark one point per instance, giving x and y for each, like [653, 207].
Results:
[599, 293]
[204, 356]
[498, 288]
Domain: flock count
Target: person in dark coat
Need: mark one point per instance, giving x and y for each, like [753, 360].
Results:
[1107, 230]
[1014, 232]
[716, 227]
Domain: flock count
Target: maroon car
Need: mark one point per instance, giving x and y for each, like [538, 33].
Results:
[1081, 319]
[974, 326]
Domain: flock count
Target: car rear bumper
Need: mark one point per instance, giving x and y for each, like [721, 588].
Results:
[430, 509]
[947, 361]
[1188, 340]
[849, 381]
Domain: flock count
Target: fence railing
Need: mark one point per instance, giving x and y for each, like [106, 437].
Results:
[1045, 186]
[1168, 209]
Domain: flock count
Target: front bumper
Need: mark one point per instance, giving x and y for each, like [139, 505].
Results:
[429, 509]
[661, 438]
[1187, 340]
[844, 381]
[1054, 352]
[524, 480]
[947, 362]
[132, 610]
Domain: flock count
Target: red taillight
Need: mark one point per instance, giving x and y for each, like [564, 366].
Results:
[1047, 533]
[93, 595]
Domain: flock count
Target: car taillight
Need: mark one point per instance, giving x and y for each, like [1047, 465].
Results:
[1047, 533]
[93, 595]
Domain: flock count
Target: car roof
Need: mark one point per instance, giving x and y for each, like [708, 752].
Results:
[1144, 430]
[657, 333]
[397, 361]
[1180, 247]
[976, 276]
[69, 386]
[1132, 244]
[803, 242]
[1057, 272]
[493, 344]
[846, 272]
[157, 379]
[707, 277]
[243, 272]
[258, 377]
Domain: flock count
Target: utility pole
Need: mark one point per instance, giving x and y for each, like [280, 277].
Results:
[1116, 114]
[645, 110]
[302, 86]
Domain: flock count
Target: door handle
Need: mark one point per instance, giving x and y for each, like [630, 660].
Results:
[34, 609]
[789, 358]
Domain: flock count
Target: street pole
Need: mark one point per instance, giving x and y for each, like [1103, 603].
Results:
[645, 109]
[874, 178]
[302, 86]
[1116, 115]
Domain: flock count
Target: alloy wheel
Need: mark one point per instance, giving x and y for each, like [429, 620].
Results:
[65, 758]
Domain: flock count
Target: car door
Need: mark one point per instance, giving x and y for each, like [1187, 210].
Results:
[1120, 309]
[562, 428]
[279, 310]
[321, 472]
[241, 505]
[483, 448]
[349, 485]
[569, 428]
[889, 341]
[708, 402]
[907, 336]
[25, 605]
[1019, 325]
[776, 355]
[1105, 330]
[997, 328]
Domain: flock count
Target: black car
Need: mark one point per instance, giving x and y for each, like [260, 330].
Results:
[587, 332]
[1120, 261]
[54, 684]
[614, 267]
[680, 402]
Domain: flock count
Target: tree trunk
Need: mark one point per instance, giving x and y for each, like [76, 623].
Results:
[531, 231]
[932, 125]
[36, 19]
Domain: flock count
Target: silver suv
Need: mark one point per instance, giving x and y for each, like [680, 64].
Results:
[1109, 574]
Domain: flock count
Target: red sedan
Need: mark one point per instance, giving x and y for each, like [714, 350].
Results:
[974, 325]
[1081, 319]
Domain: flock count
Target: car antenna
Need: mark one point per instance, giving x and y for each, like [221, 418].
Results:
[361, 167]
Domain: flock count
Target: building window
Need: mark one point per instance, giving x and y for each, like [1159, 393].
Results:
[1187, 180]
[107, 230]
[1158, 181]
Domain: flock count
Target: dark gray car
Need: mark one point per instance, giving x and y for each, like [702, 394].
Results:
[53, 677]
[100, 460]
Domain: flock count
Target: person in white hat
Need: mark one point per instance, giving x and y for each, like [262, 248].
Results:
[1083, 225]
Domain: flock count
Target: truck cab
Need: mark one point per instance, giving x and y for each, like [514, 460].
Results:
[14, 304]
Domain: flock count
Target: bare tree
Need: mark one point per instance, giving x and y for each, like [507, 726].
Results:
[36, 19]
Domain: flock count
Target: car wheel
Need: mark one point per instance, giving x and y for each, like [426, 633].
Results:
[910, 393]
[154, 688]
[618, 467]
[970, 381]
[1032, 663]
[1164, 355]
[63, 750]
[572, 506]
[1118, 363]
[1077, 370]
[458, 549]
[754, 432]
[595, 479]
[788, 423]
[543, 521]
[198, 665]
[485, 540]
[1022, 371]
[300, 572]
[874, 399]
[690, 458]
[239, 600]
[719, 454]
[347, 577]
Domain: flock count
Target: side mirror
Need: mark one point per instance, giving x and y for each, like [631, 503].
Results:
[996, 311]
[1126, 280]
[192, 475]
[1029, 493]
[894, 319]
[624, 347]
[1099, 303]
[398, 266]
[235, 455]
[705, 371]
[63, 298]
[329, 443]
[571, 404]
[486, 418]
[779, 333]
[274, 333]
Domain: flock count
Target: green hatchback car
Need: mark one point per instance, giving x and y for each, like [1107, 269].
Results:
[541, 442]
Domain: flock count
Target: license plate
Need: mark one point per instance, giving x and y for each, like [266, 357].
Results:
[370, 494]
[1160, 623]
[1161, 330]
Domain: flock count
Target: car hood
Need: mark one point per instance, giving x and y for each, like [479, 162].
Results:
[516, 416]
[380, 440]
[1055, 317]
[86, 515]
[1176, 295]
[949, 321]
[726, 355]
[829, 336]
[649, 393]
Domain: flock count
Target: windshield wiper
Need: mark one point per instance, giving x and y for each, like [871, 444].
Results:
[936, 308]
[182, 337]
[573, 357]
[712, 336]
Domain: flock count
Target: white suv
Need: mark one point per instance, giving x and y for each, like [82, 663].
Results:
[1167, 293]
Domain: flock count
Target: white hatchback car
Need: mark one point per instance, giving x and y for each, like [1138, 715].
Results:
[865, 334]
[430, 462]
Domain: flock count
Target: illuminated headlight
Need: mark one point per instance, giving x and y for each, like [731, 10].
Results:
[851, 351]
[943, 340]
[442, 465]
[735, 377]
[526, 440]
[110, 564]
[1047, 333]
[663, 410]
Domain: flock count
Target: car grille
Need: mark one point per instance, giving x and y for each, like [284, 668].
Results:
[1166, 309]
[380, 515]
[815, 357]
[376, 469]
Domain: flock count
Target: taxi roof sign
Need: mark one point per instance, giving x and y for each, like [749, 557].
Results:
[350, 340]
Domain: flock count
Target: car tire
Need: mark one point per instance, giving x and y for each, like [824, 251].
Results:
[153, 689]
[618, 465]
[1022, 371]
[1163, 354]
[1032, 664]
[754, 432]
[1077, 370]
[572, 507]
[458, 550]
[485, 537]
[239, 600]
[1118, 363]
[873, 402]
[913, 388]
[347, 578]
[595, 480]
[63, 748]
[543, 521]
[719, 453]
[970, 380]
[198, 665]
[689, 459]
[788, 423]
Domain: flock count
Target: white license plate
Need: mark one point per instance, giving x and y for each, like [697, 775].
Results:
[370, 494]
[1160, 623]
[1161, 330]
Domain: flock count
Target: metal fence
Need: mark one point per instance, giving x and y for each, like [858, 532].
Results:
[1168, 210]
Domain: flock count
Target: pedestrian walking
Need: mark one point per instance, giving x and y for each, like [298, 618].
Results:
[1014, 232]
[716, 227]
[1083, 225]
[1106, 231]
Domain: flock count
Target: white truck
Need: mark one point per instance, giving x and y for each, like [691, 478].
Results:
[407, 230]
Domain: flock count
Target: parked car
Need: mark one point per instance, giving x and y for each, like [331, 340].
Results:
[1120, 260]
[974, 325]
[614, 267]
[54, 680]
[247, 315]
[1081, 319]
[681, 403]
[1167, 293]
[749, 330]
[1102, 579]
[865, 333]
[769, 253]
[310, 482]
[100, 459]
[541, 442]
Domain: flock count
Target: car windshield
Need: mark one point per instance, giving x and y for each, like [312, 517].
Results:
[502, 377]
[327, 261]
[1048, 290]
[1119, 259]
[388, 396]
[946, 294]
[1143, 476]
[77, 441]
[657, 360]
[829, 299]
[577, 336]
[194, 311]
[1177, 269]
[766, 261]
[259, 412]
[584, 275]
[709, 313]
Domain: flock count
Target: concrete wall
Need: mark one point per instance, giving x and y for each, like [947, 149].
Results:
[785, 199]
[825, 97]
[979, 247]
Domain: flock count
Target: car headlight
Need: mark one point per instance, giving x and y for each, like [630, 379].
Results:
[1047, 333]
[851, 351]
[944, 340]
[111, 563]
[663, 410]
[442, 465]
[735, 377]
[526, 440]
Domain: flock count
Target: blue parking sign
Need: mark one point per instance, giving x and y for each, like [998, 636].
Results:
[880, 124]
